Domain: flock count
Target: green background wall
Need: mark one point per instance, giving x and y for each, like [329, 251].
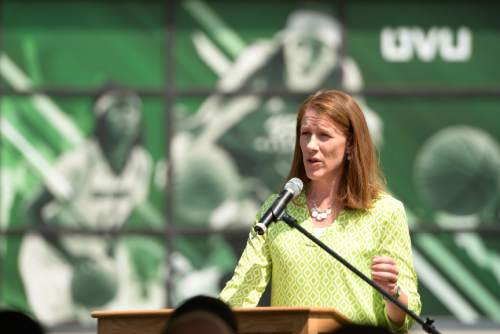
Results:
[426, 73]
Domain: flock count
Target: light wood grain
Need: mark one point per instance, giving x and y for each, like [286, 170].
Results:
[264, 320]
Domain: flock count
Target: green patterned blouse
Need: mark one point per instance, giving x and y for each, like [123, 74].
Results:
[305, 275]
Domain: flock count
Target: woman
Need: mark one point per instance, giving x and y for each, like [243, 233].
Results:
[344, 204]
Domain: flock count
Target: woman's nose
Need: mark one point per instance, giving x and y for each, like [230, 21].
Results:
[312, 144]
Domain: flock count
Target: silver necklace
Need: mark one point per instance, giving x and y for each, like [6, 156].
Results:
[319, 215]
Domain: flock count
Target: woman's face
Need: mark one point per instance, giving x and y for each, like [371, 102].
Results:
[323, 146]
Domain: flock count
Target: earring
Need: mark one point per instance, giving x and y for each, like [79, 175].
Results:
[349, 157]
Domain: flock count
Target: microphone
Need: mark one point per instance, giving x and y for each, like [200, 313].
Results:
[292, 189]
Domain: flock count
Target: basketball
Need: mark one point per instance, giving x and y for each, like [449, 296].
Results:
[204, 180]
[457, 170]
[92, 285]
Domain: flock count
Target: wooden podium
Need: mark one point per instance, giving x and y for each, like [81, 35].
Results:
[290, 320]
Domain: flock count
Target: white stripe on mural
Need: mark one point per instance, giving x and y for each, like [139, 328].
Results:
[47, 108]
[212, 23]
[210, 54]
[446, 294]
[478, 252]
[56, 184]
[460, 275]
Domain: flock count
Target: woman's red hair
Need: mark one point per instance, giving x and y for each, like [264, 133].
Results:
[362, 180]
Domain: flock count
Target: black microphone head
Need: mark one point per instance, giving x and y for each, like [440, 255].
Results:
[295, 186]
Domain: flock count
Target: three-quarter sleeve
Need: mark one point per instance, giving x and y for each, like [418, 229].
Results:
[396, 244]
[252, 272]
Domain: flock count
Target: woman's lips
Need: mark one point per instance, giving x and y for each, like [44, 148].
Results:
[313, 161]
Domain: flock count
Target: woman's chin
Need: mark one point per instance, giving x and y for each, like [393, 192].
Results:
[314, 176]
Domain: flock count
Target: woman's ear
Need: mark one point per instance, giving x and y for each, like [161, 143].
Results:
[348, 145]
[348, 149]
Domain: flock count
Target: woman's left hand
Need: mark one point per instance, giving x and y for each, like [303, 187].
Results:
[385, 273]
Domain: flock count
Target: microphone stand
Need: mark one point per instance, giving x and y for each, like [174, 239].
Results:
[427, 325]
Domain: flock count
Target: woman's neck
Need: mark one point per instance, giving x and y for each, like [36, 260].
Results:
[323, 193]
[323, 203]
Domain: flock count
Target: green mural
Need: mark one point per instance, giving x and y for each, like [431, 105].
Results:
[92, 153]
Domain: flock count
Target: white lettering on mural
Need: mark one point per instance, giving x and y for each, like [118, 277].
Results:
[279, 134]
[403, 44]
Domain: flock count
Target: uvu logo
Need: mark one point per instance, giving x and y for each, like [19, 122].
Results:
[404, 43]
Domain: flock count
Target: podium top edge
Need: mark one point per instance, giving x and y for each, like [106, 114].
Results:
[131, 313]
[238, 310]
